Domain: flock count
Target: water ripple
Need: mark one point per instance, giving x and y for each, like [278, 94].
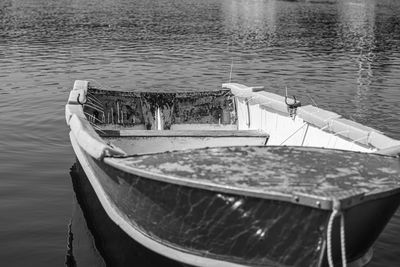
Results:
[344, 54]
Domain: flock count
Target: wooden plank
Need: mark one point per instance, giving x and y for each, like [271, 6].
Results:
[158, 144]
[175, 133]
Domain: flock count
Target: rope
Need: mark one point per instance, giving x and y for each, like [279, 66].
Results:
[329, 236]
[336, 212]
[343, 240]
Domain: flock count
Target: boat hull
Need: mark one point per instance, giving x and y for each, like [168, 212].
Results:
[204, 227]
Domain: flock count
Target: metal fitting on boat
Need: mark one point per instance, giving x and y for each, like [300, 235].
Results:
[81, 103]
[292, 107]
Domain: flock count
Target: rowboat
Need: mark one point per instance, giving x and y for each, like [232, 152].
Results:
[236, 176]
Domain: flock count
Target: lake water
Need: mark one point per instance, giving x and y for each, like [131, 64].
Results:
[344, 55]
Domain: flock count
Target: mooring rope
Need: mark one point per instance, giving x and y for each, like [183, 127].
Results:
[343, 240]
[336, 212]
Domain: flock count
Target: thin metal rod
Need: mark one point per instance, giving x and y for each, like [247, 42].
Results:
[248, 114]
[312, 100]
[230, 73]
[95, 98]
[118, 113]
[305, 135]
[364, 137]
[93, 117]
[293, 133]
[326, 126]
[359, 139]
[93, 107]
[97, 128]
[95, 104]
[345, 131]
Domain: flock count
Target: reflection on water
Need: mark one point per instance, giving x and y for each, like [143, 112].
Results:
[69, 257]
[250, 22]
[358, 23]
[95, 240]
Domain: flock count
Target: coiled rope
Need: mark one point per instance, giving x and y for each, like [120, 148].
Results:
[336, 212]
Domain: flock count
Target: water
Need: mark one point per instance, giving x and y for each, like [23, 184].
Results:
[344, 54]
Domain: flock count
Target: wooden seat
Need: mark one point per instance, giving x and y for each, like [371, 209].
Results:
[153, 141]
[178, 133]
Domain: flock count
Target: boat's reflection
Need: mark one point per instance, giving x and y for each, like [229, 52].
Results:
[95, 240]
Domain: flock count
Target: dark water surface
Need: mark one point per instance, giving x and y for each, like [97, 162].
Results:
[345, 54]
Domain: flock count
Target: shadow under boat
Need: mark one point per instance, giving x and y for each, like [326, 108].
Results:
[95, 240]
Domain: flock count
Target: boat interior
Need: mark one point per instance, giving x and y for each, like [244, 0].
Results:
[236, 115]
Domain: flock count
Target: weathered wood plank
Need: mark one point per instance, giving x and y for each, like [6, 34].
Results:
[178, 133]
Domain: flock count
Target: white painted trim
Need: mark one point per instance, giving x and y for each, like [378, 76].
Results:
[344, 134]
[79, 90]
[140, 237]
[89, 140]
